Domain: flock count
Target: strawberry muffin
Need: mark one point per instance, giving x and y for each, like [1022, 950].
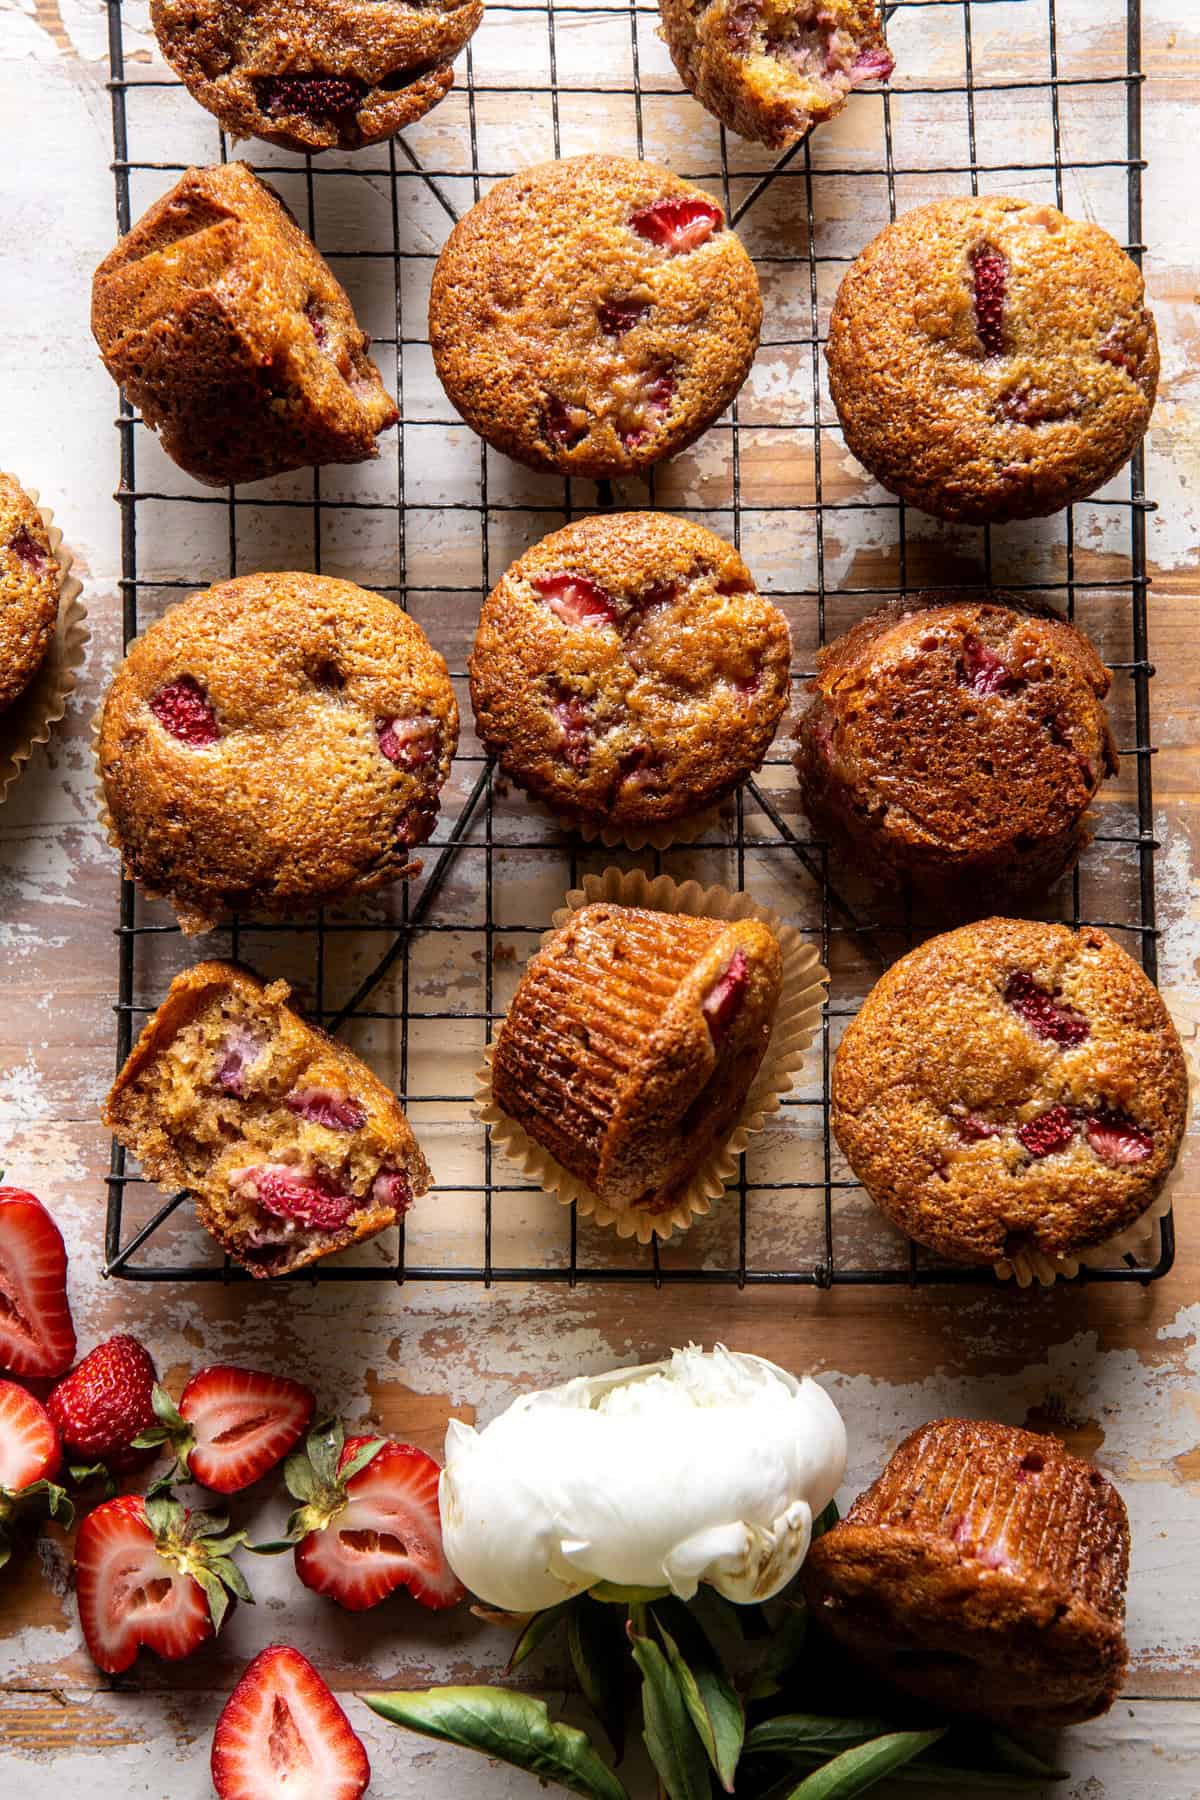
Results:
[983, 1573]
[956, 739]
[638, 331]
[291, 1146]
[30, 579]
[627, 672]
[224, 325]
[991, 359]
[276, 742]
[772, 69]
[315, 74]
[1011, 1087]
[632, 1042]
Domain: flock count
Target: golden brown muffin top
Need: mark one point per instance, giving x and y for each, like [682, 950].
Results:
[593, 315]
[991, 359]
[958, 728]
[30, 579]
[278, 740]
[1010, 1086]
[626, 671]
[772, 69]
[311, 74]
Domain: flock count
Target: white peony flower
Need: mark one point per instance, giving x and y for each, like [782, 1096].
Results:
[708, 1467]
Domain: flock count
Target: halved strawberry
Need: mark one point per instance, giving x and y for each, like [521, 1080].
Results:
[576, 599]
[231, 1425]
[1115, 1137]
[30, 1458]
[723, 1001]
[36, 1333]
[283, 1736]
[368, 1521]
[150, 1574]
[678, 223]
[101, 1407]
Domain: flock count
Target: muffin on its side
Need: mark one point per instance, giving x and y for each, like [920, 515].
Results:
[276, 742]
[226, 327]
[638, 331]
[632, 1041]
[772, 69]
[958, 742]
[991, 359]
[314, 74]
[626, 671]
[984, 1573]
[30, 579]
[1011, 1086]
[291, 1146]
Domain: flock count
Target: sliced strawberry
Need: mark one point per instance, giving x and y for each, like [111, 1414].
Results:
[619, 316]
[409, 743]
[989, 275]
[972, 1129]
[723, 1001]
[30, 1447]
[232, 1424]
[563, 425]
[150, 1574]
[1050, 1132]
[240, 1051]
[576, 599]
[283, 1736]
[573, 718]
[678, 223]
[37, 1337]
[104, 1404]
[1046, 1016]
[184, 709]
[24, 545]
[323, 1106]
[286, 1194]
[392, 1187]
[982, 670]
[1115, 1137]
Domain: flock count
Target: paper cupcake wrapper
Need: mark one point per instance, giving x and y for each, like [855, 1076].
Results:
[1142, 1239]
[797, 1019]
[32, 716]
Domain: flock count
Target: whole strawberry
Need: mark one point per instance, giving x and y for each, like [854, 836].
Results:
[106, 1402]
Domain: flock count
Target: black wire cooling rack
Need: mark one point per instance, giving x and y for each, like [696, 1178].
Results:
[989, 95]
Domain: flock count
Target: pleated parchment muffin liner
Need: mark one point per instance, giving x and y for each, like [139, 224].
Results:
[1142, 1239]
[797, 1019]
[34, 714]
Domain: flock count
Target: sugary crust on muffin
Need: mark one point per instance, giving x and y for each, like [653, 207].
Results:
[991, 359]
[30, 580]
[226, 327]
[772, 69]
[956, 738]
[606, 1056]
[624, 349]
[983, 1572]
[652, 712]
[204, 1098]
[314, 74]
[1002, 1028]
[294, 799]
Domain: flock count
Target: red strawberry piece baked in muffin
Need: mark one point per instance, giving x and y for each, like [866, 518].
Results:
[772, 69]
[1011, 1086]
[315, 74]
[638, 331]
[626, 671]
[991, 359]
[30, 579]
[276, 742]
[290, 1144]
[224, 325]
[954, 739]
[983, 1573]
[632, 1041]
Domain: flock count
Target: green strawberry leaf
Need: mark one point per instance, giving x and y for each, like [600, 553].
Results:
[298, 1476]
[366, 1453]
[671, 1739]
[166, 1411]
[325, 1442]
[708, 1693]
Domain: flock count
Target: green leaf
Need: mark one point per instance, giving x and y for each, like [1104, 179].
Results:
[671, 1738]
[858, 1769]
[536, 1632]
[598, 1646]
[276, 1548]
[218, 1599]
[298, 1476]
[783, 1652]
[208, 1525]
[613, 1594]
[365, 1454]
[825, 1521]
[708, 1693]
[325, 1442]
[83, 1473]
[166, 1411]
[1006, 1753]
[512, 1726]
[164, 1515]
[804, 1732]
[227, 1571]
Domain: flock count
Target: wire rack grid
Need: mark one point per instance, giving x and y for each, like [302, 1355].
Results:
[986, 97]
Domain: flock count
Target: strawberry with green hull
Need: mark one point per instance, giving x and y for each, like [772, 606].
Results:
[106, 1403]
[283, 1735]
[151, 1575]
[30, 1458]
[37, 1337]
[368, 1521]
[231, 1425]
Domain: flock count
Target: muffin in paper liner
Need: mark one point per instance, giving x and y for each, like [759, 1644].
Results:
[797, 1018]
[1142, 1239]
[33, 714]
[687, 829]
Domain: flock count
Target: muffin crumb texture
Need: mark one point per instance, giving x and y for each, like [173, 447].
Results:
[290, 1144]
[226, 327]
[30, 579]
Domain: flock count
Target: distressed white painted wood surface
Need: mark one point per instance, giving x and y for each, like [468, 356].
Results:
[1115, 1372]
